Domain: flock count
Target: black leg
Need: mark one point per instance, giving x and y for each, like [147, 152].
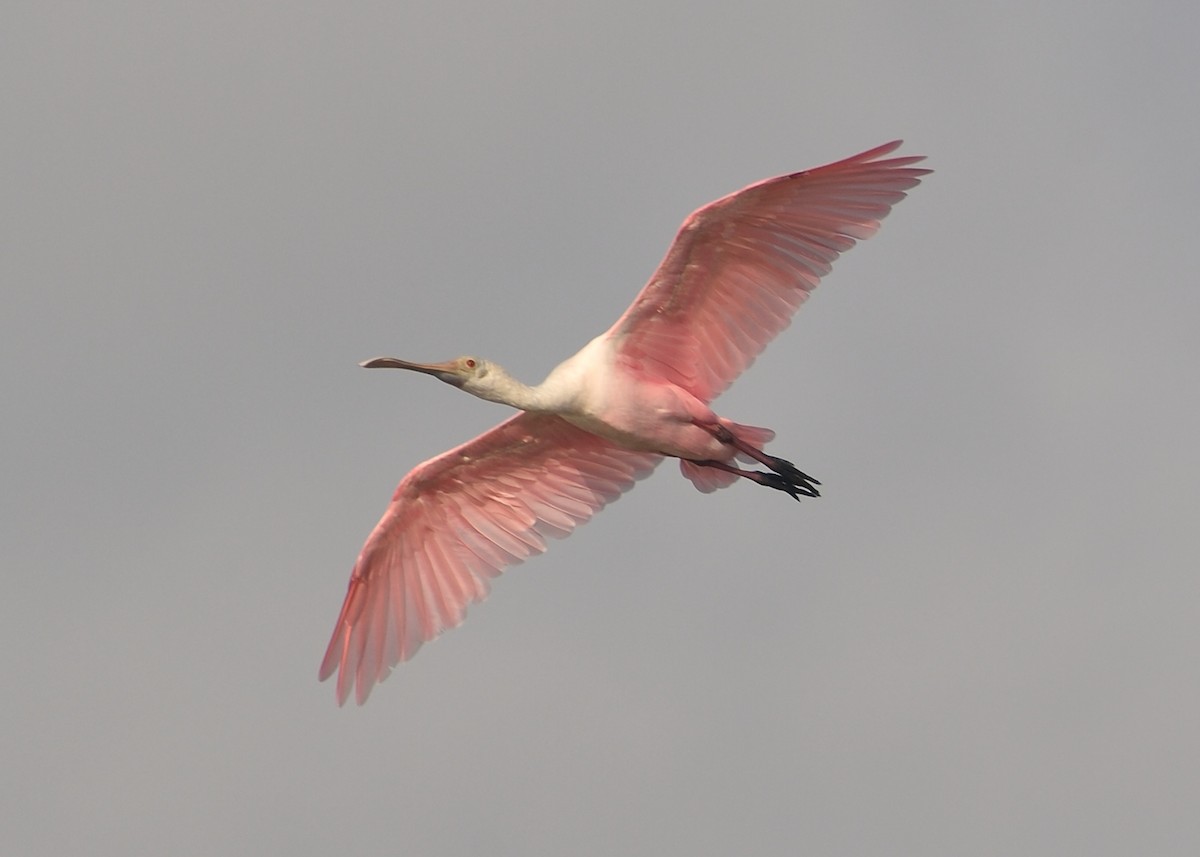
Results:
[796, 486]
[785, 476]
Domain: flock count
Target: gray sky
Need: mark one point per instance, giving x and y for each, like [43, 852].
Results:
[984, 639]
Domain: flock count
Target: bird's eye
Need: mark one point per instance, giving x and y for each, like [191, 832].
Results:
[470, 363]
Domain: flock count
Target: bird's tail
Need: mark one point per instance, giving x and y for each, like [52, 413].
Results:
[709, 479]
[754, 436]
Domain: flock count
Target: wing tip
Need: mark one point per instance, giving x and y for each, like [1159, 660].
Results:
[348, 676]
[874, 155]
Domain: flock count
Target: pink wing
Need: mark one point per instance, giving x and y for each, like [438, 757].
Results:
[460, 519]
[741, 266]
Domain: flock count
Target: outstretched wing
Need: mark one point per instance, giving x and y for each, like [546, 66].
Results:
[457, 521]
[741, 266]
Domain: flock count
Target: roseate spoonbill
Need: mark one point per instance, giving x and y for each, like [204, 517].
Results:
[737, 271]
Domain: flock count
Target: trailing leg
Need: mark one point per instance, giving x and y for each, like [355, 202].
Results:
[780, 466]
[795, 485]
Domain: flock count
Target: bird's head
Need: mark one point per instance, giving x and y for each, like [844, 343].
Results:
[477, 376]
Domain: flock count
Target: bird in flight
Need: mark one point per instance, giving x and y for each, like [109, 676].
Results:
[734, 276]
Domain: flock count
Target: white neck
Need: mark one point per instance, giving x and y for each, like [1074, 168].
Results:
[499, 386]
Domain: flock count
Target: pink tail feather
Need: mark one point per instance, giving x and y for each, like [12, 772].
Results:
[756, 436]
[706, 479]
[709, 479]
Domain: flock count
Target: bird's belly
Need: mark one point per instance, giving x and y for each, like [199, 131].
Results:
[624, 437]
[650, 429]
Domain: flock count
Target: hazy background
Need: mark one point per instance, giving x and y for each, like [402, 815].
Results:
[982, 640]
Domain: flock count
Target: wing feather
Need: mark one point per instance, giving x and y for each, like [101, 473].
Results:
[460, 519]
[741, 266]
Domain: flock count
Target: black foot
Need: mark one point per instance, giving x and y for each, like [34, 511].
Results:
[789, 471]
[801, 486]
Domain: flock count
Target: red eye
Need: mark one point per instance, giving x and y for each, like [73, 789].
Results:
[470, 363]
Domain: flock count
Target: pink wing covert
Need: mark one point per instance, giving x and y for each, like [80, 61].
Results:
[741, 266]
[457, 521]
